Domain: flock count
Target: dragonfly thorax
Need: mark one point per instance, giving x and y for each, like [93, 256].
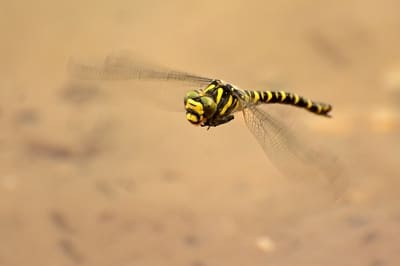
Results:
[199, 107]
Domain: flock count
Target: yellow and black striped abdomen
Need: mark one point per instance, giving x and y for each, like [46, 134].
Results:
[283, 97]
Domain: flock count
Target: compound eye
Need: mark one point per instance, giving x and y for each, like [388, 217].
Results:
[191, 95]
[209, 105]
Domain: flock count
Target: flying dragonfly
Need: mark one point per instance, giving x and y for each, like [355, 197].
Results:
[216, 103]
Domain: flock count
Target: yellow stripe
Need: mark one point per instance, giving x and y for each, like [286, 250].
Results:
[296, 98]
[309, 103]
[237, 106]
[256, 97]
[283, 94]
[227, 105]
[195, 106]
[192, 118]
[269, 96]
[319, 108]
[219, 95]
[210, 87]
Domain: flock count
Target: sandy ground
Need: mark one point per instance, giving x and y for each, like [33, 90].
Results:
[97, 174]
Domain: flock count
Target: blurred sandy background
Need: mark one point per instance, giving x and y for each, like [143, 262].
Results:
[95, 175]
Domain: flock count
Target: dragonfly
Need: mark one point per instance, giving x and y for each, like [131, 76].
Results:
[216, 102]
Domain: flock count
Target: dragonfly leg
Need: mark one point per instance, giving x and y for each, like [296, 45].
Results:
[218, 121]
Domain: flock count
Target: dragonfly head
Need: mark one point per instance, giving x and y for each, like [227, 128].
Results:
[199, 107]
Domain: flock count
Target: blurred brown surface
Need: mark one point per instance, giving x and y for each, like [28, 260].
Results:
[93, 174]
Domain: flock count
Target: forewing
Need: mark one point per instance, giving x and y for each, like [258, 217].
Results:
[127, 68]
[129, 72]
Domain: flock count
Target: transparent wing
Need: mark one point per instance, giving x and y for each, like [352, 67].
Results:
[285, 149]
[130, 71]
[126, 68]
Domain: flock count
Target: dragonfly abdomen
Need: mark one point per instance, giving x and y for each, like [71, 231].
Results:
[282, 97]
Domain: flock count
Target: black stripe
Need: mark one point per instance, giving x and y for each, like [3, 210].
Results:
[262, 96]
[222, 103]
[289, 98]
[266, 97]
[302, 102]
[275, 97]
[313, 108]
